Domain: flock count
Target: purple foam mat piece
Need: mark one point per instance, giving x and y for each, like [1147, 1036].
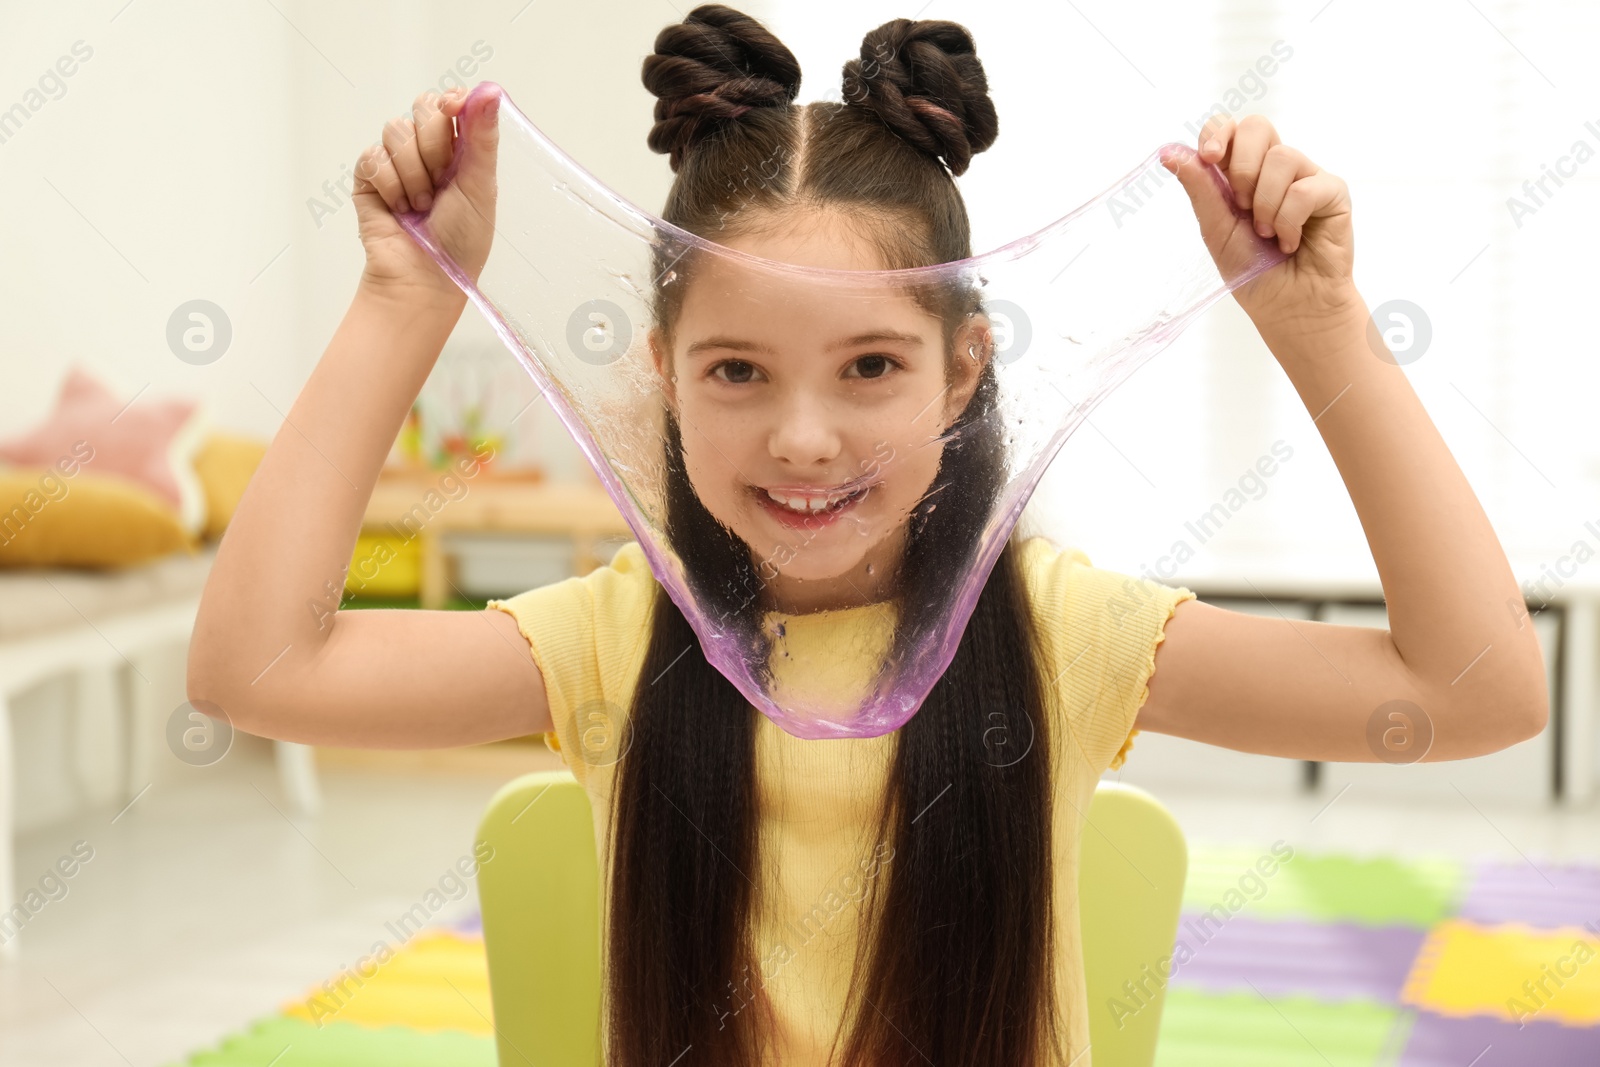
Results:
[1331, 961]
[1516, 892]
[1440, 1041]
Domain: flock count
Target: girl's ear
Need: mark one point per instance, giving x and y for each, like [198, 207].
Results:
[972, 350]
[661, 357]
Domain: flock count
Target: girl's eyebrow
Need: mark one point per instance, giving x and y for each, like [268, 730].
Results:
[733, 343]
[740, 345]
[876, 337]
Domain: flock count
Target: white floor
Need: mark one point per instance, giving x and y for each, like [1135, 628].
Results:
[1362, 822]
[205, 907]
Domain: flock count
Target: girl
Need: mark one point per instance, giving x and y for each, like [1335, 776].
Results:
[907, 898]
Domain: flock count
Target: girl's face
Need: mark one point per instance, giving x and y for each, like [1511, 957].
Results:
[812, 416]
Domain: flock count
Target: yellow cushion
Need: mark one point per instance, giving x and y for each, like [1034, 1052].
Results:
[225, 464]
[85, 520]
[383, 565]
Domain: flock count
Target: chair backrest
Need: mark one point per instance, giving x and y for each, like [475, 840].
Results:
[1132, 863]
[540, 896]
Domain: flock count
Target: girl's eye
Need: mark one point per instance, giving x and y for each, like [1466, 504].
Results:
[735, 371]
[875, 366]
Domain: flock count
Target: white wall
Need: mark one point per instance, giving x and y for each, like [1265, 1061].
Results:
[180, 159]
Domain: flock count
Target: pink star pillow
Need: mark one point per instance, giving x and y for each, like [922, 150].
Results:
[147, 441]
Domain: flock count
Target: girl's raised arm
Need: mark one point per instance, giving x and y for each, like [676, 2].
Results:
[1459, 671]
[270, 648]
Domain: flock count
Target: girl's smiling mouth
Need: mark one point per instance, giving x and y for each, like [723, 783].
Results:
[810, 507]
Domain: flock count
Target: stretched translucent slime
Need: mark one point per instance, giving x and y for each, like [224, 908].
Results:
[823, 508]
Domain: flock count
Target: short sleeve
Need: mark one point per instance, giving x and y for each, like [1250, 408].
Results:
[1098, 631]
[588, 637]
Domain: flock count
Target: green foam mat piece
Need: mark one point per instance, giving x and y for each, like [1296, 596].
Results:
[1246, 1030]
[1324, 888]
[283, 1042]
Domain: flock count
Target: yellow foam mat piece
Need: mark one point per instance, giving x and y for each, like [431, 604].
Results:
[1511, 971]
[436, 981]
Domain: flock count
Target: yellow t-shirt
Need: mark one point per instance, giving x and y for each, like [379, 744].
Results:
[818, 799]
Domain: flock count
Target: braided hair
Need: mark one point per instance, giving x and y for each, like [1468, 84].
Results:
[715, 65]
[924, 80]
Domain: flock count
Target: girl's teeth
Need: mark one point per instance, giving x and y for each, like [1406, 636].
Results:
[804, 504]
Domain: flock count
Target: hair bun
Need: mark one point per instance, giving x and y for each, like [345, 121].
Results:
[716, 64]
[924, 80]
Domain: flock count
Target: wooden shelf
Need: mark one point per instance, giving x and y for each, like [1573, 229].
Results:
[416, 506]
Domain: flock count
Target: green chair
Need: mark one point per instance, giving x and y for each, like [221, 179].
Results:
[540, 895]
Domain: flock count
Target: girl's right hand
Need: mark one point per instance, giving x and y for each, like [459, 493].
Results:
[405, 173]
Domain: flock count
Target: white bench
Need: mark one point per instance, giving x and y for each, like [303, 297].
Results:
[106, 628]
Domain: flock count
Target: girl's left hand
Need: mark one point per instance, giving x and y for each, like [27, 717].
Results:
[1282, 195]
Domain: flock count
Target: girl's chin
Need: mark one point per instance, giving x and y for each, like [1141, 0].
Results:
[819, 569]
[812, 556]
[829, 547]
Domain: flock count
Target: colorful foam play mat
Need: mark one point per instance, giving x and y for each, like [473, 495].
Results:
[1313, 960]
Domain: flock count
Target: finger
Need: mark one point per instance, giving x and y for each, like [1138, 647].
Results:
[1281, 169]
[400, 138]
[375, 173]
[1211, 207]
[480, 126]
[1216, 137]
[1250, 143]
[1310, 197]
[435, 133]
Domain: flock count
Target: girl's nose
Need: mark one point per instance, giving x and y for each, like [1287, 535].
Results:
[804, 435]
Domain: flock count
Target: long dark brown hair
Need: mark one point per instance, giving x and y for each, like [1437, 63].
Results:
[955, 958]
